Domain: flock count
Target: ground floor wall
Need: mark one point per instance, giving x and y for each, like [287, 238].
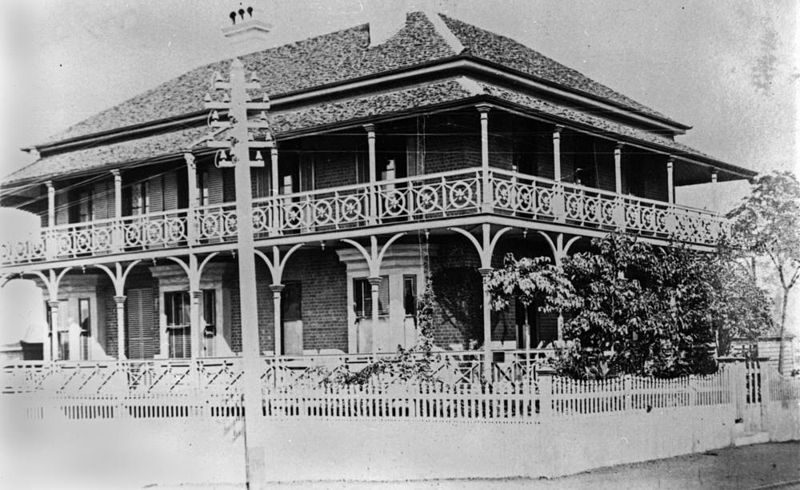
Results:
[319, 303]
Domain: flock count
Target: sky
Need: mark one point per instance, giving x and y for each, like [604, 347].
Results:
[728, 68]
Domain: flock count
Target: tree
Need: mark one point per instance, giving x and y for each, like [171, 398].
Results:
[644, 311]
[767, 223]
[533, 281]
[740, 307]
[657, 311]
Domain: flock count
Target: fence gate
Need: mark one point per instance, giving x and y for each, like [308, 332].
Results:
[747, 390]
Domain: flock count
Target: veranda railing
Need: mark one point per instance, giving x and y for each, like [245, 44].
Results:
[419, 198]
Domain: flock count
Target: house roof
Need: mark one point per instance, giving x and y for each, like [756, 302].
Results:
[343, 56]
[355, 110]
[325, 61]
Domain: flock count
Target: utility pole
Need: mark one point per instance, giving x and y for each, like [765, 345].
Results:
[234, 150]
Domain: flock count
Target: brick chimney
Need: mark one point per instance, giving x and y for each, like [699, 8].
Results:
[246, 34]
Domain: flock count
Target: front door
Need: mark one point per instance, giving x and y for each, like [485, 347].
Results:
[139, 335]
[396, 325]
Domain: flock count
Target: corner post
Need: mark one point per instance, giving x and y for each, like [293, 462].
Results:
[121, 341]
[488, 195]
[373, 170]
[277, 289]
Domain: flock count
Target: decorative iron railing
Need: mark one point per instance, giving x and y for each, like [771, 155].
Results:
[419, 198]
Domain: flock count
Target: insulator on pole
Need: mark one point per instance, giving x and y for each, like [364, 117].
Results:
[218, 77]
[264, 97]
[215, 116]
[254, 78]
[226, 98]
[262, 117]
[207, 98]
[259, 158]
[250, 136]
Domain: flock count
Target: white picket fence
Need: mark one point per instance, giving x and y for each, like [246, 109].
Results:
[88, 397]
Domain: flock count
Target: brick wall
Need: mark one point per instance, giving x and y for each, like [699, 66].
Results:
[323, 301]
[334, 170]
[105, 300]
[443, 153]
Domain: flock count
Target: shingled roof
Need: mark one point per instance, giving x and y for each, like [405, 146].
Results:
[342, 56]
[454, 91]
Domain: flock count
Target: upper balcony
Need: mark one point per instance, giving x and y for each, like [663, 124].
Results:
[420, 199]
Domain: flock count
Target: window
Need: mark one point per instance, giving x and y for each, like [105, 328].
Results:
[176, 309]
[410, 295]
[209, 312]
[140, 198]
[291, 302]
[85, 322]
[362, 293]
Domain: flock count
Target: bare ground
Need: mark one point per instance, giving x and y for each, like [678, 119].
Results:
[773, 465]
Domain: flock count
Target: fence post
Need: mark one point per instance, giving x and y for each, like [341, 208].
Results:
[627, 383]
[545, 385]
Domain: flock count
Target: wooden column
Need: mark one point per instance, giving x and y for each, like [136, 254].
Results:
[120, 301]
[118, 235]
[51, 245]
[54, 304]
[274, 179]
[117, 193]
[618, 168]
[277, 289]
[487, 323]
[51, 203]
[670, 181]
[486, 190]
[557, 153]
[375, 284]
[559, 203]
[195, 322]
[191, 177]
[373, 170]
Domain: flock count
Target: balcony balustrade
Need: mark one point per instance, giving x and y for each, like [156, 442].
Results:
[415, 199]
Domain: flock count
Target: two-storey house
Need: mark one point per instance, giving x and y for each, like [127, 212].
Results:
[425, 148]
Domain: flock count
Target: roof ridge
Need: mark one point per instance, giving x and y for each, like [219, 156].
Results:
[444, 31]
[573, 78]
